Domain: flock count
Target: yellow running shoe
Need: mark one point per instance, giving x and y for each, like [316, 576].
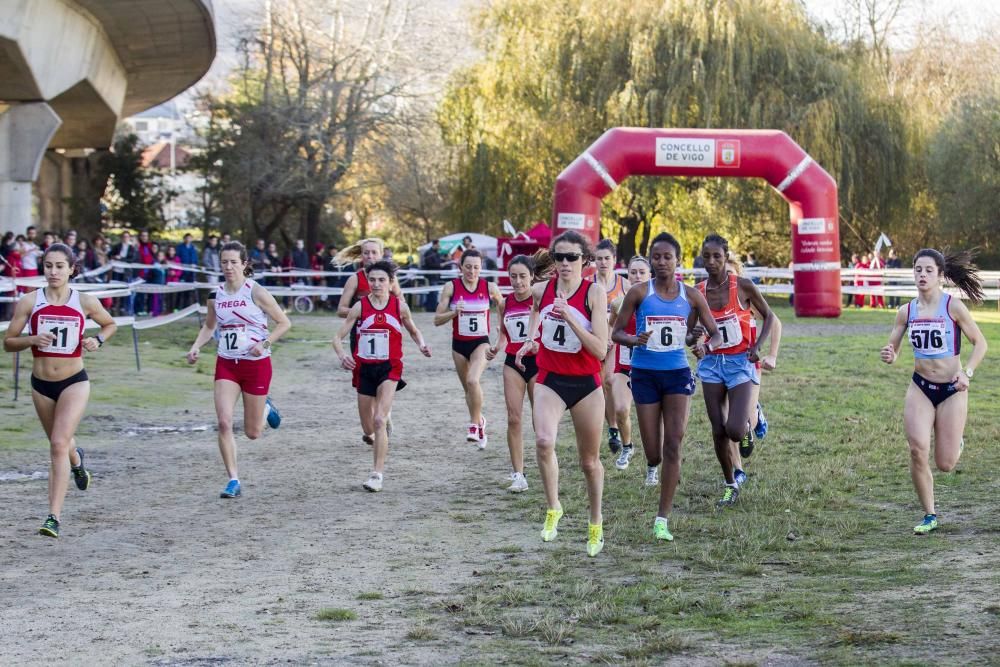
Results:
[661, 530]
[595, 539]
[550, 530]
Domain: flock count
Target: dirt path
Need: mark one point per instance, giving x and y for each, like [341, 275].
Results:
[154, 568]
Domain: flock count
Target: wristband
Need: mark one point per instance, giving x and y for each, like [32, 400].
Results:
[100, 340]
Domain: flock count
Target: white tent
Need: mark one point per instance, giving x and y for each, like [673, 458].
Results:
[484, 244]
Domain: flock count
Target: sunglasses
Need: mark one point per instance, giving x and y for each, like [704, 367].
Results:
[566, 256]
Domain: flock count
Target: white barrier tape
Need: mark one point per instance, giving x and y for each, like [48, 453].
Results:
[599, 168]
[816, 266]
[794, 174]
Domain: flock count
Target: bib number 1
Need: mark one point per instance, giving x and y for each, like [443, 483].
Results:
[373, 345]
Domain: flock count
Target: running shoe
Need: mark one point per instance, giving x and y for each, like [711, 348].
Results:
[551, 527]
[368, 439]
[374, 483]
[729, 496]
[481, 433]
[746, 443]
[51, 527]
[80, 474]
[595, 539]
[929, 523]
[661, 529]
[472, 433]
[761, 429]
[232, 489]
[273, 416]
[652, 476]
[623, 459]
[739, 477]
[518, 483]
[614, 440]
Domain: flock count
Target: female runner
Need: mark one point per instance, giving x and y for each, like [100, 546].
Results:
[621, 390]
[573, 316]
[615, 286]
[937, 400]
[664, 310]
[240, 308]
[465, 302]
[368, 251]
[727, 370]
[55, 317]
[377, 360]
[515, 311]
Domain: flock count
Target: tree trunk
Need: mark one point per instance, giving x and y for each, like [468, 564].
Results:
[626, 237]
[89, 179]
[313, 213]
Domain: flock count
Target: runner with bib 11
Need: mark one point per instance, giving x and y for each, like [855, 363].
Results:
[572, 314]
[55, 317]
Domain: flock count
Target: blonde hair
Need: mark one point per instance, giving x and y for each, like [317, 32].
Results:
[735, 262]
[352, 253]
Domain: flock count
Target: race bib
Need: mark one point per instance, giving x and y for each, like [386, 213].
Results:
[624, 355]
[373, 345]
[65, 329]
[472, 324]
[558, 336]
[666, 333]
[517, 327]
[929, 336]
[732, 334]
[233, 339]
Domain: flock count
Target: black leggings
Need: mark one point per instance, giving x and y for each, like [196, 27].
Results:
[50, 389]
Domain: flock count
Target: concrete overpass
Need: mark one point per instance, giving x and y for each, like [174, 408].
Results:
[69, 69]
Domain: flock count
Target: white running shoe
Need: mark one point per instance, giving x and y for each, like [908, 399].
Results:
[481, 433]
[374, 482]
[472, 433]
[518, 484]
[625, 457]
[652, 476]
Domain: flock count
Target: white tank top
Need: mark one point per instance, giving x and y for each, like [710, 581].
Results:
[241, 322]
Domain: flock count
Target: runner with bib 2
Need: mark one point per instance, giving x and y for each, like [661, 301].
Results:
[515, 316]
[465, 302]
[664, 309]
[377, 322]
[572, 314]
[937, 401]
[240, 308]
[727, 370]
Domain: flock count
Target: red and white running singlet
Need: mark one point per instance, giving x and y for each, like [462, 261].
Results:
[733, 320]
[380, 333]
[515, 321]
[242, 324]
[623, 353]
[363, 288]
[562, 351]
[64, 322]
[474, 322]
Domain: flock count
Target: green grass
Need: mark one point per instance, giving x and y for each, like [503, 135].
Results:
[817, 560]
[370, 595]
[334, 614]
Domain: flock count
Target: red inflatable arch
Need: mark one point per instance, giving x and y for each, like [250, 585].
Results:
[810, 191]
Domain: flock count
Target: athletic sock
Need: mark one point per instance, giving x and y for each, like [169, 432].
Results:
[613, 432]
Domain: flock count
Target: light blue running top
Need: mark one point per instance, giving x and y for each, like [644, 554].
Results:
[935, 337]
[667, 322]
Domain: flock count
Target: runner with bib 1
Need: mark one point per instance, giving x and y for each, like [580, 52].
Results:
[728, 371]
[664, 309]
[465, 302]
[377, 320]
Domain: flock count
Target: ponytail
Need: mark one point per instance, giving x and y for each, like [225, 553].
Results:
[960, 269]
[352, 253]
